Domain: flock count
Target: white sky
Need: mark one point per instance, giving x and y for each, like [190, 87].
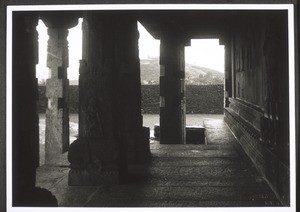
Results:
[205, 52]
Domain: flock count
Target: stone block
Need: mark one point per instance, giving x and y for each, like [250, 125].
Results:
[93, 162]
[138, 147]
[85, 151]
[156, 130]
[93, 177]
[194, 134]
[54, 88]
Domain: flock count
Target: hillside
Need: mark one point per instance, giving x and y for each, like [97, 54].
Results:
[195, 75]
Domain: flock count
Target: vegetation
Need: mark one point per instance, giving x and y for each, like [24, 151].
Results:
[194, 75]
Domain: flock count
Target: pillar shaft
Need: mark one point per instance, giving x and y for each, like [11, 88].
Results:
[98, 139]
[228, 73]
[57, 113]
[128, 92]
[110, 121]
[172, 90]
[25, 118]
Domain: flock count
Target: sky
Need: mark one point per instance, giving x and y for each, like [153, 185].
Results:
[202, 52]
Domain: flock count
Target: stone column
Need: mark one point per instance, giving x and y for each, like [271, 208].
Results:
[57, 113]
[172, 89]
[227, 70]
[94, 155]
[233, 71]
[110, 121]
[128, 92]
[25, 121]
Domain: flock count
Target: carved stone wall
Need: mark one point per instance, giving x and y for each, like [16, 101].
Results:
[259, 115]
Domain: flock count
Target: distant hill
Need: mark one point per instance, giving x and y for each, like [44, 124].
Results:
[194, 75]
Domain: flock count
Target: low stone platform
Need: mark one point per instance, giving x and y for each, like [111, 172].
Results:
[194, 134]
[214, 175]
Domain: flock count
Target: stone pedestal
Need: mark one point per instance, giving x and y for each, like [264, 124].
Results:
[194, 134]
[172, 89]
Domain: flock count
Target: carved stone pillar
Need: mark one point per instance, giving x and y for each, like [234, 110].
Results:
[128, 92]
[57, 113]
[25, 129]
[110, 121]
[94, 155]
[172, 89]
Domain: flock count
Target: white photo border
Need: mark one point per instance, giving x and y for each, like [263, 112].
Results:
[73, 7]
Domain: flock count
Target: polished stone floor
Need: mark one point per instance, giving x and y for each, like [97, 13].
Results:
[216, 174]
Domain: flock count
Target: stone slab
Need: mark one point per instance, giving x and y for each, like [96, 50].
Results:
[194, 153]
[179, 176]
[50, 176]
[73, 195]
[195, 162]
[138, 193]
[92, 177]
[194, 134]
[175, 203]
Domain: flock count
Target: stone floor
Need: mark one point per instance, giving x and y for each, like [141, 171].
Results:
[213, 175]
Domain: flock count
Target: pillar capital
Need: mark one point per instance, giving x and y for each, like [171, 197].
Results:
[56, 19]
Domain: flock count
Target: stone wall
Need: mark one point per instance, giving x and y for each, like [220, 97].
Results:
[258, 113]
[205, 99]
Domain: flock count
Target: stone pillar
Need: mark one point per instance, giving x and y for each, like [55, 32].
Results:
[233, 71]
[128, 92]
[25, 121]
[172, 89]
[57, 113]
[227, 70]
[94, 155]
[110, 121]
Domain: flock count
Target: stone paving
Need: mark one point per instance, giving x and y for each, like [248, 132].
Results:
[213, 175]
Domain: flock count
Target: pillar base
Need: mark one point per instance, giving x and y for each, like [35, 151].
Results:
[93, 162]
[138, 147]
